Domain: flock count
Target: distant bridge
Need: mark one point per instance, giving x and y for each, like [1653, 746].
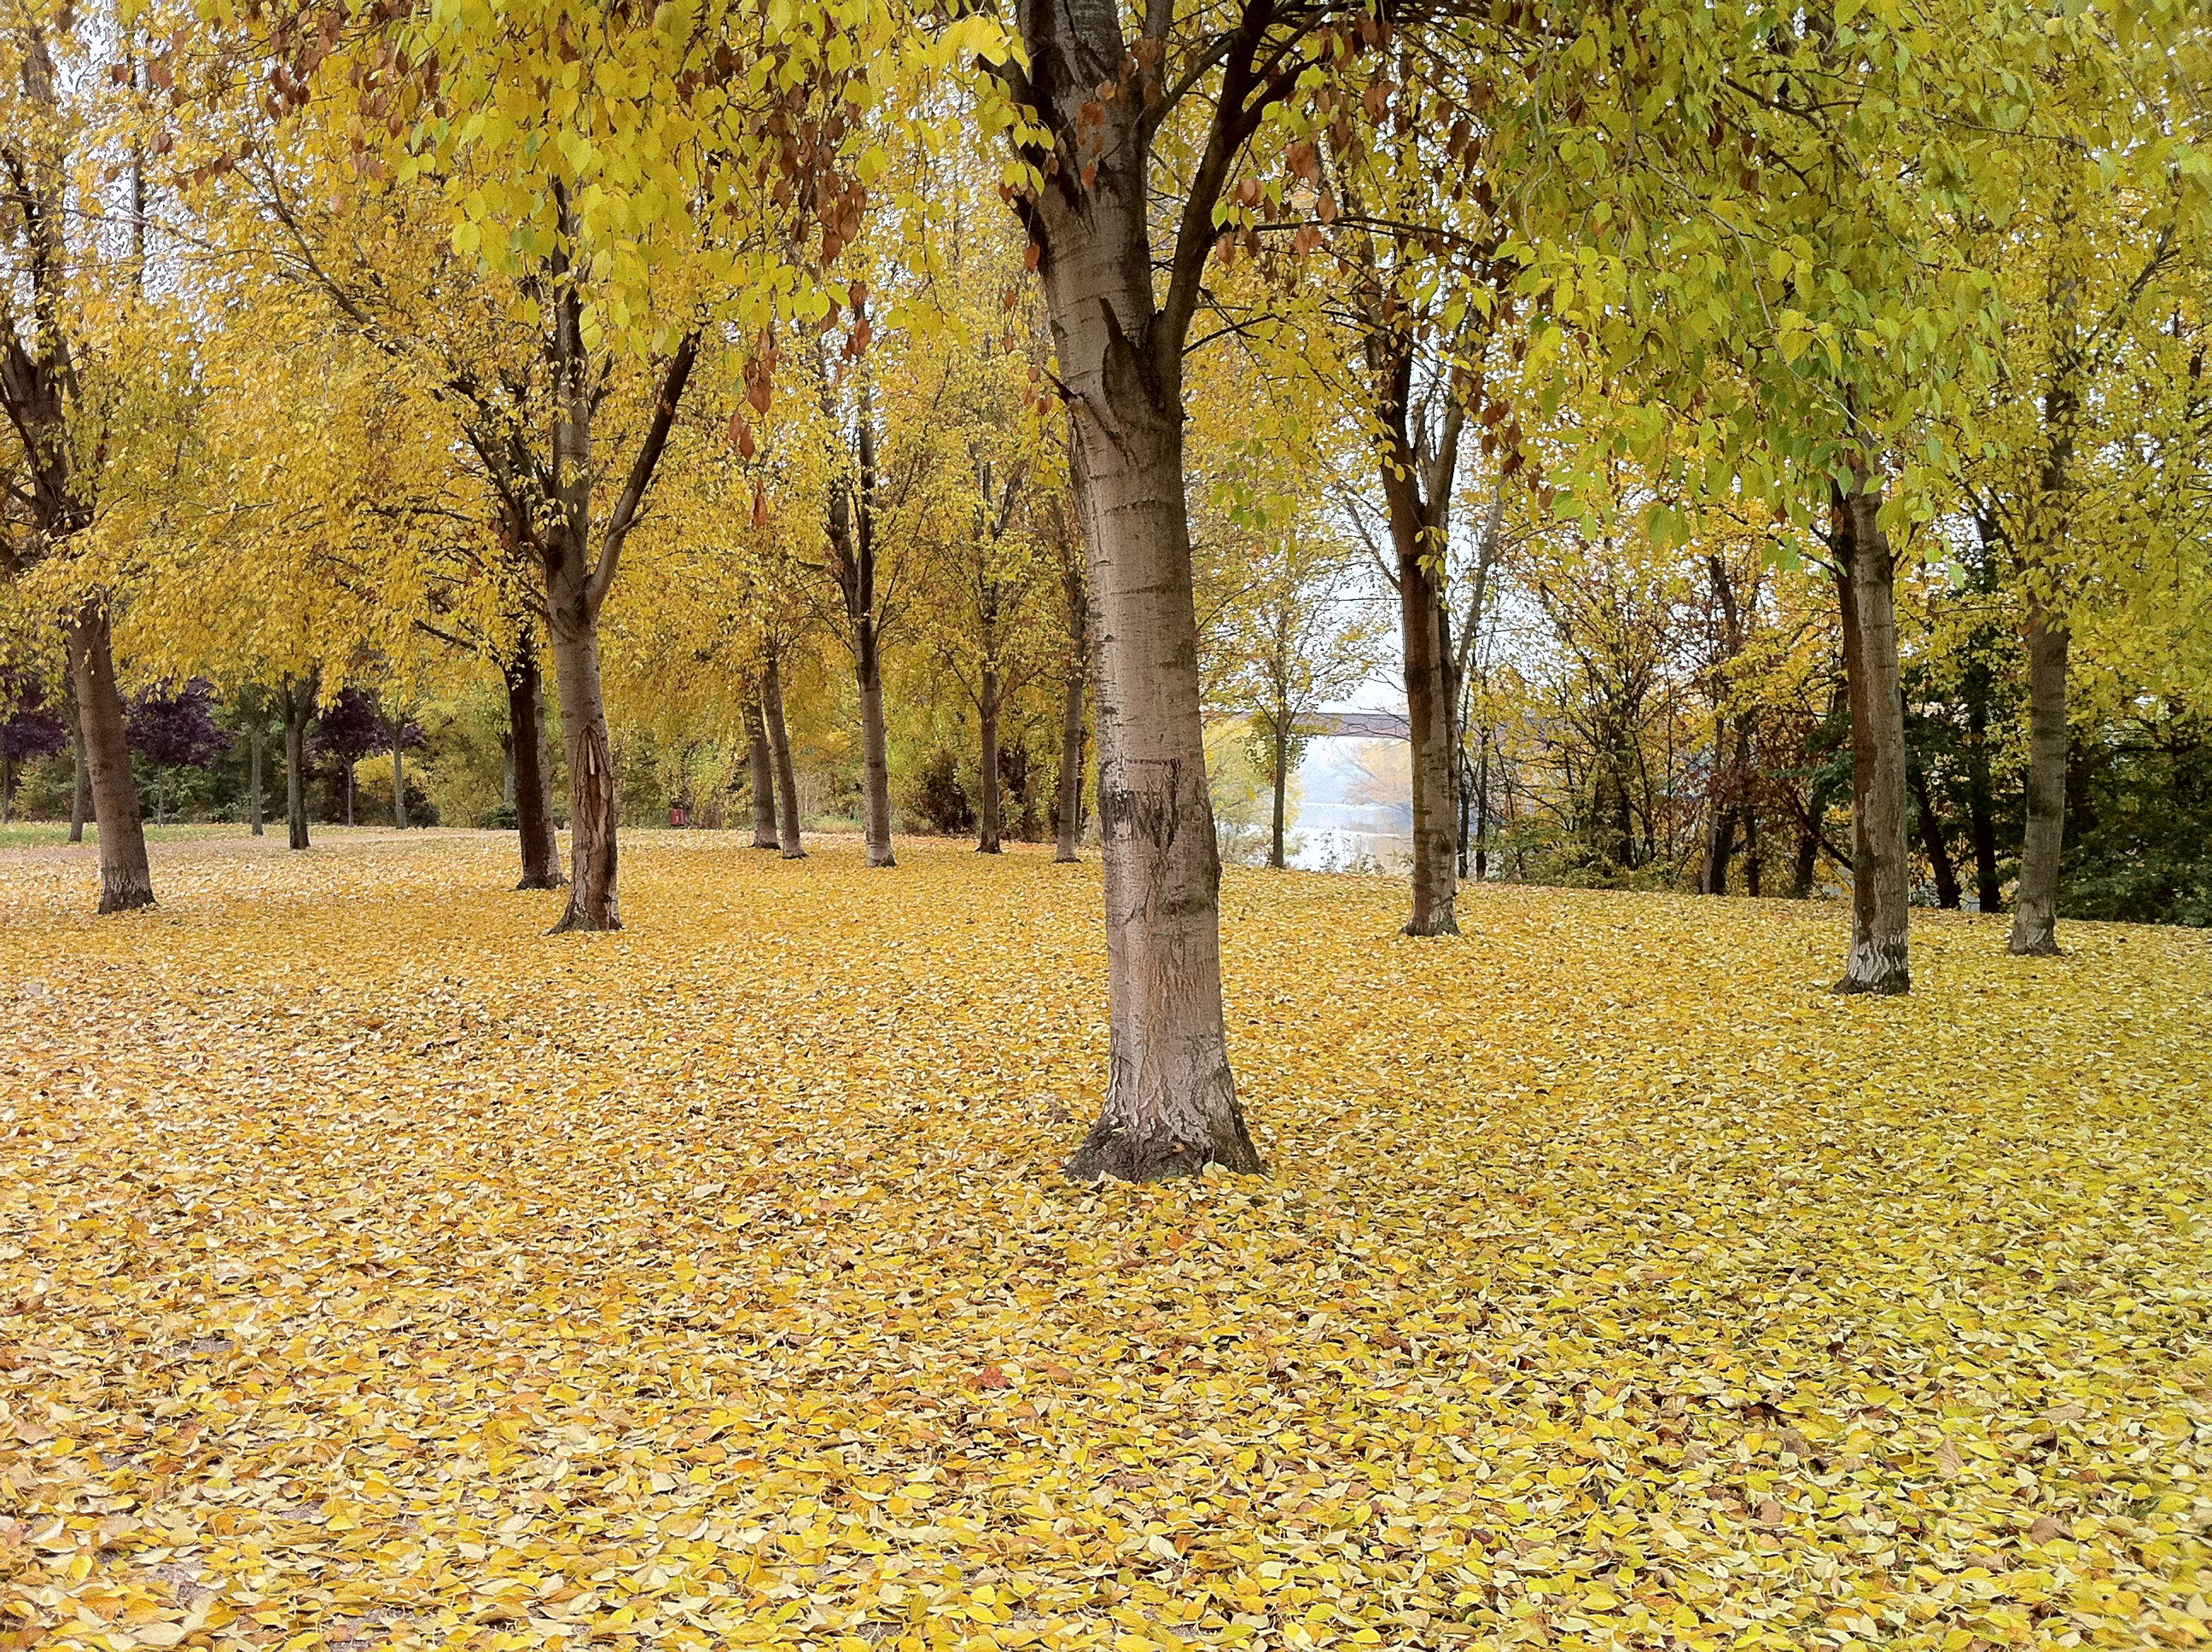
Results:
[1359, 725]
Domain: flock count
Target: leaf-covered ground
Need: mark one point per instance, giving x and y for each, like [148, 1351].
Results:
[375, 1272]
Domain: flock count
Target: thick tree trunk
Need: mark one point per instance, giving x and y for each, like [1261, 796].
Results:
[2035, 900]
[81, 781]
[786, 781]
[593, 900]
[1880, 959]
[1981, 818]
[530, 756]
[1933, 843]
[1281, 758]
[1071, 768]
[125, 880]
[868, 669]
[987, 832]
[256, 738]
[298, 705]
[762, 770]
[1171, 1104]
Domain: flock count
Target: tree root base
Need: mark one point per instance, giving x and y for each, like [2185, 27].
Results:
[1110, 1154]
[794, 854]
[2041, 946]
[128, 900]
[1446, 925]
[539, 880]
[574, 922]
[1888, 987]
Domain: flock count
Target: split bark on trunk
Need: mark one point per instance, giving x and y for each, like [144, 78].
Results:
[125, 880]
[1170, 1105]
[986, 836]
[2035, 900]
[530, 755]
[297, 702]
[779, 740]
[1879, 958]
[762, 766]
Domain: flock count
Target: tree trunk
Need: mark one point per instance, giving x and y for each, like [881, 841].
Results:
[1171, 1104]
[7, 790]
[1988, 893]
[1933, 843]
[1420, 550]
[398, 776]
[298, 704]
[988, 716]
[349, 790]
[1281, 754]
[779, 740]
[1750, 859]
[1880, 959]
[126, 879]
[2035, 900]
[593, 900]
[1071, 767]
[81, 781]
[763, 767]
[530, 757]
[868, 671]
[1720, 849]
[256, 738]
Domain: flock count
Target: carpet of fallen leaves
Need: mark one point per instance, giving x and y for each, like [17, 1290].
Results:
[376, 1272]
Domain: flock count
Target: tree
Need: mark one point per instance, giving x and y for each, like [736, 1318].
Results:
[29, 732]
[62, 301]
[349, 728]
[1303, 634]
[175, 730]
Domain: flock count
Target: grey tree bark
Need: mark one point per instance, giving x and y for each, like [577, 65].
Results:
[126, 882]
[2035, 900]
[399, 774]
[763, 771]
[1170, 1105]
[1880, 959]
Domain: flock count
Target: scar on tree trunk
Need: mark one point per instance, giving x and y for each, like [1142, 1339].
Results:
[126, 882]
[2035, 900]
[1865, 580]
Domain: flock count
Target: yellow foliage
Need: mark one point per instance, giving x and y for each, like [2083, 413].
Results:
[373, 1271]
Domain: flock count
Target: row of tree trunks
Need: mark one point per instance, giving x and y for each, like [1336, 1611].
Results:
[127, 881]
[1880, 959]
